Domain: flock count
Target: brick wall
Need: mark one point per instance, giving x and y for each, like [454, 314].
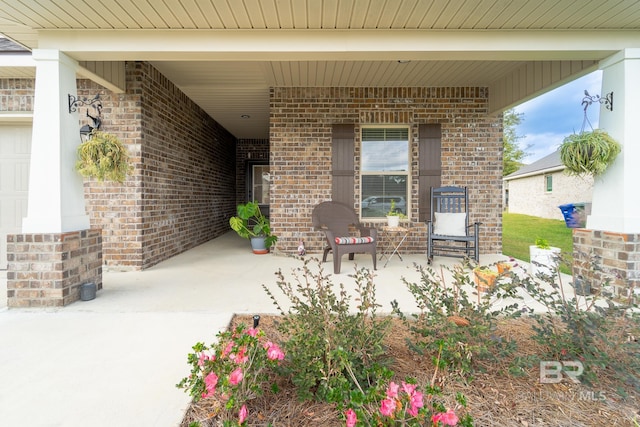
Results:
[17, 95]
[182, 190]
[300, 139]
[619, 258]
[46, 270]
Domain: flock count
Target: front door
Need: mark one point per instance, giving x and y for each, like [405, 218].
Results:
[259, 184]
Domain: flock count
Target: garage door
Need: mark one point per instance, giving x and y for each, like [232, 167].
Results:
[15, 149]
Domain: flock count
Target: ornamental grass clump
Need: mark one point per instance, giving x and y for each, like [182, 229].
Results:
[588, 153]
[104, 157]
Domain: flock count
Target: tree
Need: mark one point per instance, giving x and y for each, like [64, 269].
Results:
[512, 154]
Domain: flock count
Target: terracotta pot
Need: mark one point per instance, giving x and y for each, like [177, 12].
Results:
[503, 267]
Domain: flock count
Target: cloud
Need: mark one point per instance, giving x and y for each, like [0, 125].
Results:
[549, 118]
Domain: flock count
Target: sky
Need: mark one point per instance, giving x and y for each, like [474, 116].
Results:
[549, 118]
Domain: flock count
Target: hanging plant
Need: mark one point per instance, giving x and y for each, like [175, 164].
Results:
[588, 153]
[103, 157]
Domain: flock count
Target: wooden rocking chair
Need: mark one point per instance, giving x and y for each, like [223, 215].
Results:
[449, 232]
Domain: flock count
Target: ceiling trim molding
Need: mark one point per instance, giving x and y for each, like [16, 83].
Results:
[301, 45]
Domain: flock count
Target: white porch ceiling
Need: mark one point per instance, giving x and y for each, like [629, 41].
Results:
[226, 54]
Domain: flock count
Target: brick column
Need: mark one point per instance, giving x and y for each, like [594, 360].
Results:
[47, 269]
[619, 258]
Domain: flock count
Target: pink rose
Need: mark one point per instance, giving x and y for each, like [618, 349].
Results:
[351, 417]
[252, 332]
[236, 376]
[392, 390]
[387, 407]
[242, 415]
[448, 418]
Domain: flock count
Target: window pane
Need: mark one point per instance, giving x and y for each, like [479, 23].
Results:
[260, 181]
[385, 150]
[378, 191]
[549, 182]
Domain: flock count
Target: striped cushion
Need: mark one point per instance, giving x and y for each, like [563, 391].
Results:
[353, 240]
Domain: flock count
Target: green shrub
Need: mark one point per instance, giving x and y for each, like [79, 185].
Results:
[457, 327]
[329, 346]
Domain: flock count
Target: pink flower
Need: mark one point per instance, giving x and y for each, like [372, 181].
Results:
[416, 399]
[392, 390]
[387, 407]
[227, 349]
[241, 357]
[210, 382]
[242, 415]
[236, 376]
[273, 351]
[253, 332]
[448, 418]
[351, 417]
[408, 388]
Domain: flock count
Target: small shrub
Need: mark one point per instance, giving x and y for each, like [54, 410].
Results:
[234, 370]
[452, 324]
[328, 344]
[592, 329]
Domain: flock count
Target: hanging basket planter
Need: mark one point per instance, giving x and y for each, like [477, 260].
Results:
[103, 157]
[588, 153]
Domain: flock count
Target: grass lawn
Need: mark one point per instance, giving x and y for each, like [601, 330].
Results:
[520, 231]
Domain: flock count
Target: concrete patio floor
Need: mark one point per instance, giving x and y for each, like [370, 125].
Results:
[115, 360]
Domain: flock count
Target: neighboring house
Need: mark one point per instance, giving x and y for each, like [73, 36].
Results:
[539, 188]
[292, 102]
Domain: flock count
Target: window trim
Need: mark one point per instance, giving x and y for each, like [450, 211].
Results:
[548, 183]
[408, 172]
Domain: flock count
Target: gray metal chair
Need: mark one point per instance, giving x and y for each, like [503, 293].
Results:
[337, 221]
[449, 232]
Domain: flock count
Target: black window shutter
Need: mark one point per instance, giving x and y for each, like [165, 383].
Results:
[430, 169]
[342, 163]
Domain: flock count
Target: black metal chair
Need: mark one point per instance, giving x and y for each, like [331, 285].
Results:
[449, 232]
[335, 220]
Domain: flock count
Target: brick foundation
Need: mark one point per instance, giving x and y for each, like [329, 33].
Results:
[46, 270]
[619, 258]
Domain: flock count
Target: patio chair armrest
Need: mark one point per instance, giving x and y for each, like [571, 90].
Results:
[368, 232]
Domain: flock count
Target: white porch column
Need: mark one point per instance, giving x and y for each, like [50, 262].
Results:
[616, 199]
[56, 195]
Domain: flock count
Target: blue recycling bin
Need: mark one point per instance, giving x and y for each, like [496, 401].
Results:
[575, 215]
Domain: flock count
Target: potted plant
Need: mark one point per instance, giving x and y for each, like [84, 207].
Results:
[588, 153]
[485, 278]
[251, 224]
[394, 215]
[104, 157]
[543, 257]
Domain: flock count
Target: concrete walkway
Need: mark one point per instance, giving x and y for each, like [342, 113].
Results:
[115, 360]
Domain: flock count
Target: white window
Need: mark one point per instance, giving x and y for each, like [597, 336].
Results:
[548, 182]
[384, 171]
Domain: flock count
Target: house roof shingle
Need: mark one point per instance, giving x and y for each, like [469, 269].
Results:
[552, 161]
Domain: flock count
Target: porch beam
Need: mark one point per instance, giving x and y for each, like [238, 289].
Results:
[317, 45]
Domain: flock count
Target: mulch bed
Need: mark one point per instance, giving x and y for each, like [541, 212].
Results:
[494, 396]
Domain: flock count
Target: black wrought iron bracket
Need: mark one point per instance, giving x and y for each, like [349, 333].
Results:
[607, 101]
[74, 103]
